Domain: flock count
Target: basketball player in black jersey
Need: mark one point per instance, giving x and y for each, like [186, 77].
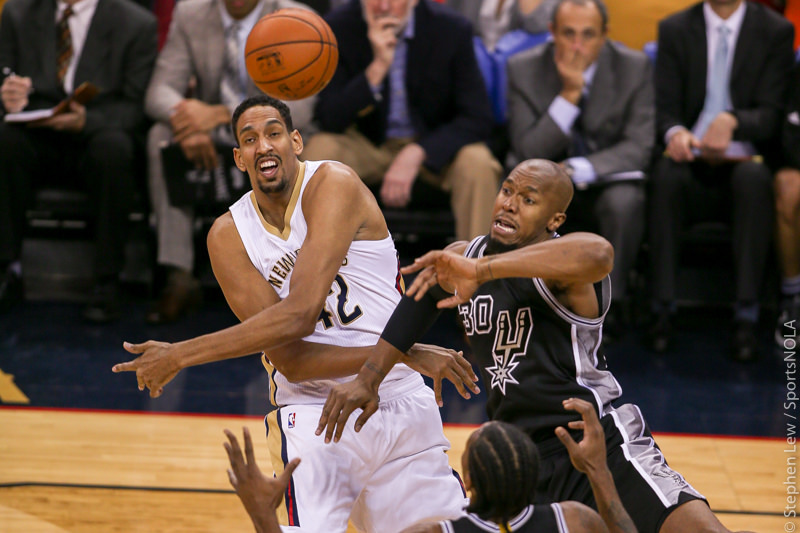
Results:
[533, 305]
[499, 464]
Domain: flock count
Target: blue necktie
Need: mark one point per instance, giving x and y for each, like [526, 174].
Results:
[717, 98]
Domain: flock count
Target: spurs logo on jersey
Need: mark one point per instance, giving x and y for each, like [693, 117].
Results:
[510, 340]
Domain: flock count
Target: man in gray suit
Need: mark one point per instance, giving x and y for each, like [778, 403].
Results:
[196, 52]
[588, 102]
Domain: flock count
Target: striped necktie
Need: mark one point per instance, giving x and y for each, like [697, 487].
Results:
[64, 40]
[231, 90]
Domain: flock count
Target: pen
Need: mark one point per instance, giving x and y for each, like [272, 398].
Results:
[7, 73]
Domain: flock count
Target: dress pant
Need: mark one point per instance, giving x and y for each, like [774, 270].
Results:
[472, 178]
[739, 194]
[100, 163]
[617, 212]
[174, 224]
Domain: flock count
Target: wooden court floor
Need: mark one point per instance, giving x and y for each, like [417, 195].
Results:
[105, 472]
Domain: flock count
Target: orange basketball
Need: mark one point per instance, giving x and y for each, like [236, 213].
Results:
[291, 54]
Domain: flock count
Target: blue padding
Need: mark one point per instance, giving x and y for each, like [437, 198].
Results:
[509, 44]
[650, 49]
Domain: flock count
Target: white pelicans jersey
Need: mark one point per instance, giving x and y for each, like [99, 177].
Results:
[363, 295]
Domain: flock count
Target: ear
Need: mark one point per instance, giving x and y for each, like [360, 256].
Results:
[237, 158]
[556, 221]
[297, 142]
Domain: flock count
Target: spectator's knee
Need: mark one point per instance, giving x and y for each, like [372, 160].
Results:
[787, 193]
[475, 165]
[751, 181]
[321, 146]
[116, 145]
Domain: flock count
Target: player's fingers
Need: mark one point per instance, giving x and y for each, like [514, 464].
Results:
[130, 366]
[248, 448]
[336, 413]
[437, 391]
[134, 348]
[452, 301]
[577, 424]
[140, 381]
[288, 470]
[325, 415]
[566, 439]
[584, 408]
[233, 442]
[464, 379]
[232, 478]
[467, 367]
[368, 411]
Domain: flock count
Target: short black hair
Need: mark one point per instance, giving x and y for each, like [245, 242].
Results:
[261, 100]
[503, 465]
[601, 7]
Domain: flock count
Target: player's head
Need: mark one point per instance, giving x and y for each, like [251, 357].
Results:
[579, 25]
[268, 145]
[530, 206]
[500, 466]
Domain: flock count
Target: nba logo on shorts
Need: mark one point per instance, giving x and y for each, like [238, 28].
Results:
[290, 421]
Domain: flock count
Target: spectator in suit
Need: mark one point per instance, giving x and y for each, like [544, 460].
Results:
[588, 102]
[196, 51]
[408, 100]
[722, 72]
[111, 43]
[787, 201]
[493, 18]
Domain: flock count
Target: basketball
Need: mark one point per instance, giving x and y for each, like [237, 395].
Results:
[291, 54]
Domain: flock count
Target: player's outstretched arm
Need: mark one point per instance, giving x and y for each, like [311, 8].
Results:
[577, 258]
[259, 494]
[589, 457]
[336, 189]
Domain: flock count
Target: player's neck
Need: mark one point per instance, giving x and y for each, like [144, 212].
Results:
[273, 205]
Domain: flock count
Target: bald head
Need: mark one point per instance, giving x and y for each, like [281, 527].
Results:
[552, 178]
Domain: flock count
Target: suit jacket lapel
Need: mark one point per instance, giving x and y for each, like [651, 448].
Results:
[601, 91]
[44, 27]
[745, 43]
[211, 60]
[697, 58]
[419, 49]
[96, 46]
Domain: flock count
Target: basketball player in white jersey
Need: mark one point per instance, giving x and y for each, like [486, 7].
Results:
[307, 255]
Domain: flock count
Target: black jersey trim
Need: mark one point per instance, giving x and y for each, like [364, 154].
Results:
[472, 245]
[561, 521]
[561, 310]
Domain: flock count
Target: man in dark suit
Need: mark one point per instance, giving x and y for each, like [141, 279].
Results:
[588, 102]
[408, 100]
[112, 44]
[722, 73]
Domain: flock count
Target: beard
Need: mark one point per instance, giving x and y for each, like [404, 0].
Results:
[496, 247]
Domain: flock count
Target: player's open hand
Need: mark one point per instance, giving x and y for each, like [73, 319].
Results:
[155, 367]
[442, 363]
[259, 494]
[342, 401]
[588, 455]
[455, 273]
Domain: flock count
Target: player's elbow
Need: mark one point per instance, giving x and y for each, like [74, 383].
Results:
[601, 256]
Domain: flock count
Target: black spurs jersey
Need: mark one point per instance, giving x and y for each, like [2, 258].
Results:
[533, 519]
[534, 353]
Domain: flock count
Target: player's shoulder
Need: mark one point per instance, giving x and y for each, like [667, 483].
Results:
[222, 229]
[581, 518]
[334, 174]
